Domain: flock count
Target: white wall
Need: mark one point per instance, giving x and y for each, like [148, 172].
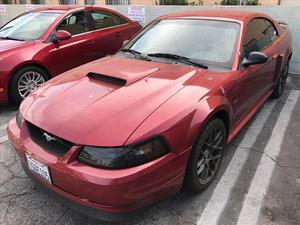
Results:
[287, 13]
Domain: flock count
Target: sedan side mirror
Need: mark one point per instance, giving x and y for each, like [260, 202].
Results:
[255, 58]
[61, 35]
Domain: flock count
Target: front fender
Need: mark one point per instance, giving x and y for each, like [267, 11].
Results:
[207, 109]
[181, 119]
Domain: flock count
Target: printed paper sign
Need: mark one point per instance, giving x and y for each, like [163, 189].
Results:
[136, 13]
[29, 8]
[2, 9]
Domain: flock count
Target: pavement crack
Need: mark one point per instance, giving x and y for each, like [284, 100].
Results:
[15, 195]
[60, 218]
[6, 211]
[264, 153]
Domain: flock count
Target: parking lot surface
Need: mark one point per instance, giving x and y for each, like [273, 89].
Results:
[258, 182]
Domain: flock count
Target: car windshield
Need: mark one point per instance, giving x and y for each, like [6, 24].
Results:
[209, 42]
[30, 26]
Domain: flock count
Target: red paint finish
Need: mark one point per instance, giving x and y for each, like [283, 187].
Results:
[158, 99]
[58, 57]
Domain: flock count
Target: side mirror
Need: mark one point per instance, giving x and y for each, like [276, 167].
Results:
[255, 58]
[61, 35]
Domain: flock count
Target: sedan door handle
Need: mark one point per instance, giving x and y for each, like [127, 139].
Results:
[90, 42]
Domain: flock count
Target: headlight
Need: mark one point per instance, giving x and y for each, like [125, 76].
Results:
[123, 157]
[19, 119]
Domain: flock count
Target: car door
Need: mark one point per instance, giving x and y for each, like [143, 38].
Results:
[275, 52]
[255, 80]
[79, 49]
[108, 31]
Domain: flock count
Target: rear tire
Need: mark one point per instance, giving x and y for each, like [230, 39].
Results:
[206, 156]
[25, 81]
[280, 86]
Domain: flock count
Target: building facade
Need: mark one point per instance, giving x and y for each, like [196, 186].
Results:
[137, 2]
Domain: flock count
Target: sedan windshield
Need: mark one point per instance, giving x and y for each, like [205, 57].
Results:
[209, 42]
[30, 26]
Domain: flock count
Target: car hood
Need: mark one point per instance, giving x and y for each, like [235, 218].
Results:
[102, 103]
[6, 45]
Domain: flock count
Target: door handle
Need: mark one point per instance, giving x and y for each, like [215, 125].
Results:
[90, 42]
[276, 55]
[117, 34]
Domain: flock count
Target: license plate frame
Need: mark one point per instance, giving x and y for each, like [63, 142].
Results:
[38, 168]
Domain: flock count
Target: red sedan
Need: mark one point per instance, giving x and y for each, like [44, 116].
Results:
[127, 130]
[43, 43]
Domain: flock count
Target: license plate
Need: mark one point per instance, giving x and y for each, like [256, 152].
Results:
[38, 168]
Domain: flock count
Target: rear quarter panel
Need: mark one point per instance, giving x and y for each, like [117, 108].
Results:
[284, 42]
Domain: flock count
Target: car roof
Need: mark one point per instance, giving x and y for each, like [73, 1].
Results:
[64, 8]
[235, 14]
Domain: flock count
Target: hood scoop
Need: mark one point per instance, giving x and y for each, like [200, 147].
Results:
[124, 71]
[107, 79]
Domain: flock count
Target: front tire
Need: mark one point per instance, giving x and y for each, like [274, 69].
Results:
[25, 81]
[280, 86]
[206, 156]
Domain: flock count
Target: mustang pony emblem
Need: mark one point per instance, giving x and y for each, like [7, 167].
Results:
[48, 137]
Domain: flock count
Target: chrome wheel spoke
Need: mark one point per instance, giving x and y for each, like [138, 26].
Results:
[22, 88]
[29, 82]
[40, 80]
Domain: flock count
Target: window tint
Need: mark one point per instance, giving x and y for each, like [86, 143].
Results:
[76, 23]
[256, 37]
[208, 46]
[29, 26]
[105, 19]
[272, 30]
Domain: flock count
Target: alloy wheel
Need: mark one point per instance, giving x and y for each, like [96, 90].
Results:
[210, 156]
[29, 82]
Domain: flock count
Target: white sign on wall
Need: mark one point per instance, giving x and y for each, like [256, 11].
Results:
[136, 13]
[2, 9]
[29, 7]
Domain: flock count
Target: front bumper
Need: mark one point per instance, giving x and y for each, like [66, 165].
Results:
[66, 200]
[104, 194]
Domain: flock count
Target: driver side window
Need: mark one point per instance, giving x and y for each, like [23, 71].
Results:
[257, 37]
[76, 23]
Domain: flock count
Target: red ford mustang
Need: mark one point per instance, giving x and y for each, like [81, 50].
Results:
[45, 42]
[122, 132]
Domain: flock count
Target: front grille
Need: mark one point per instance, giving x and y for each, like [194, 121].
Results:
[54, 144]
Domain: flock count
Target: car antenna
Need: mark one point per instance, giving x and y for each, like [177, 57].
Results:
[93, 2]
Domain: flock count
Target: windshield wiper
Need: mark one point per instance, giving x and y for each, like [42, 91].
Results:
[12, 38]
[179, 58]
[136, 54]
[6, 28]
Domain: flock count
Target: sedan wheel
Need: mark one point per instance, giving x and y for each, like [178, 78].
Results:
[25, 81]
[28, 82]
[206, 156]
